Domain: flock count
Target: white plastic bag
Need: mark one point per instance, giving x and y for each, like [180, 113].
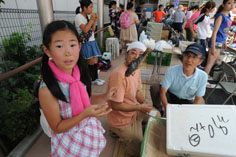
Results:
[142, 36]
[149, 43]
[162, 44]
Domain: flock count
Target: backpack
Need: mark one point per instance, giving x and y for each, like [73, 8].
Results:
[104, 64]
[125, 20]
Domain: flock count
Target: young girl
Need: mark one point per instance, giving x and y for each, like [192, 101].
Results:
[114, 14]
[90, 48]
[220, 33]
[203, 23]
[63, 97]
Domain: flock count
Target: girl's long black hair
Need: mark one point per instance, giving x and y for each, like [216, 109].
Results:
[47, 74]
[221, 8]
[208, 5]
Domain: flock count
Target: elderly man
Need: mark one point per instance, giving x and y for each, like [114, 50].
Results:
[182, 84]
[128, 104]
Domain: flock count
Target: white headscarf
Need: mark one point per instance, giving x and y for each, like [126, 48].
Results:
[137, 44]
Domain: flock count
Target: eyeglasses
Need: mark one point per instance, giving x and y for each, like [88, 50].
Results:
[188, 56]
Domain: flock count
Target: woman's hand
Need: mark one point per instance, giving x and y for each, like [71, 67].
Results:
[145, 108]
[97, 110]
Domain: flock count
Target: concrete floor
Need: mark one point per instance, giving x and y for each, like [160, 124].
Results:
[41, 148]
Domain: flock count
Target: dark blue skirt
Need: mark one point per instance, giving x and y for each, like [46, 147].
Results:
[90, 49]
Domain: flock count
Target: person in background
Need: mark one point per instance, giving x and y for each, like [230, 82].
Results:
[166, 10]
[128, 104]
[90, 48]
[63, 97]
[182, 84]
[114, 14]
[128, 35]
[220, 33]
[190, 12]
[187, 26]
[142, 27]
[203, 24]
[179, 18]
[140, 11]
[159, 14]
[133, 2]
[171, 11]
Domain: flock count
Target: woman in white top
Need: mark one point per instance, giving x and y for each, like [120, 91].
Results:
[191, 11]
[86, 28]
[203, 23]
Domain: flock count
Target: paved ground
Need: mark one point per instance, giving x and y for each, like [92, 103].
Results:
[41, 148]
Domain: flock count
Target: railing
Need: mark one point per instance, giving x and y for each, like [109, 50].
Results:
[17, 20]
[19, 69]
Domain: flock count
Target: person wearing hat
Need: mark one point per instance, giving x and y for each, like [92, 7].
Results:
[182, 84]
[179, 18]
[128, 104]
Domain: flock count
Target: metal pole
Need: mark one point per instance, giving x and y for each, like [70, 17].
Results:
[100, 20]
[125, 4]
[45, 12]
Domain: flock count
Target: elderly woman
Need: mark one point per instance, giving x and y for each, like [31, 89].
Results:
[128, 104]
[179, 18]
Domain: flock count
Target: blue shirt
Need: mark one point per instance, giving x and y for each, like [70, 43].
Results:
[183, 87]
[224, 28]
[179, 16]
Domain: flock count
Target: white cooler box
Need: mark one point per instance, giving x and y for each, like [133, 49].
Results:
[201, 130]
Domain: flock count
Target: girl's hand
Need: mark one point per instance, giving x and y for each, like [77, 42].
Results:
[224, 46]
[93, 16]
[97, 110]
[112, 91]
[119, 9]
[145, 108]
[96, 17]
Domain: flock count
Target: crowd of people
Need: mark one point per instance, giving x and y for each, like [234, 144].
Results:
[69, 67]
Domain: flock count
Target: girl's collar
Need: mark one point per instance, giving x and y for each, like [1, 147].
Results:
[226, 13]
[84, 14]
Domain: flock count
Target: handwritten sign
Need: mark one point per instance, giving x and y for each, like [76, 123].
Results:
[210, 129]
[201, 130]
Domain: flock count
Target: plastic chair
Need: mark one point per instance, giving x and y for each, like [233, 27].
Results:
[227, 82]
[112, 45]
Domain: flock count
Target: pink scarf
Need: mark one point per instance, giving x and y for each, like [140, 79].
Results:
[78, 94]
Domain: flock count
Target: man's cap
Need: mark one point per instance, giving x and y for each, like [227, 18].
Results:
[137, 44]
[196, 49]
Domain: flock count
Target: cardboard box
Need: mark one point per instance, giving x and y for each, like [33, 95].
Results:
[154, 140]
[164, 35]
[201, 130]
[154, 30]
